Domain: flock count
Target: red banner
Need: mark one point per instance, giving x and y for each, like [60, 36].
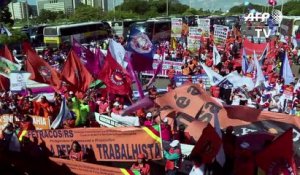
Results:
[250, 47]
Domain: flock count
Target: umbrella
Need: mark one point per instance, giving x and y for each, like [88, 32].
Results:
[97, 84]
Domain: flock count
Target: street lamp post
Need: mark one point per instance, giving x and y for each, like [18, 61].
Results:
[114, 4]
[167, 7]
[27, 14]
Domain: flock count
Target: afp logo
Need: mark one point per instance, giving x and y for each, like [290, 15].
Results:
[276, 16]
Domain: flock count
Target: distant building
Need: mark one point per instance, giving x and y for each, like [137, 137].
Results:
[33, 10]
[18, 10]
[103, 4]
[113, 3]
[66, 6]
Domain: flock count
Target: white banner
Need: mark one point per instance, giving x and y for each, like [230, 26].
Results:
[107, 121]
[18, 80]
[127, 120]
[194, 39]
[204, 26]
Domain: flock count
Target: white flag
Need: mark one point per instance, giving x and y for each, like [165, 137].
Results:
[213, 76]
[216, 56]
[118, 52]
[287, 73]
[18, 80]
[260, 78]
[63, 114]
[239, 81]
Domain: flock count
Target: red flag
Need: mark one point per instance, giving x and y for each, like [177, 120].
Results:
[117, 80]
[41, 71]
[207, 146]
[75, 73]
[26, 46]
[277, 158]
[4, 83]
[7, 54]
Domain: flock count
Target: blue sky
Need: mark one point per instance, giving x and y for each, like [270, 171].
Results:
[223, 4]
[207, 4]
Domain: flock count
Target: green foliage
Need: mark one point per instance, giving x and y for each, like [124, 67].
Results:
[84, 13]
[291, 8]
[17, 37]
[152, 8]
[119, 15]
[47, 16]
[5, 16]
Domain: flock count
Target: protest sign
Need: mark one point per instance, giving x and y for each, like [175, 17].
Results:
[108, 144]
[194, 39]
[18, 80]
[39, 122]
[166, 65]
[204, 26]
[180, 79]
[220, 35]
[82, 168]
[127, 120]
[176, 27]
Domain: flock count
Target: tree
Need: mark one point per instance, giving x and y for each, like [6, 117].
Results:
[176, 8]
[47, 16]
[191, 11]
[119, 15]
[84, 13]
[5, 16]
[17, 37]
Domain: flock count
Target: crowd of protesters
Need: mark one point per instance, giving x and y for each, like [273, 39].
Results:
[268, 97]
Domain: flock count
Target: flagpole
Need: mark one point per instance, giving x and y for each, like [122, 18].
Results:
[108, 101]
[282, 1]
[161, 141]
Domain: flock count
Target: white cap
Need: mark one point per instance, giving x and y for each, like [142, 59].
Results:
[149, 115]
[71, 92]
[116, 103]
[174, 143]
[165, 120]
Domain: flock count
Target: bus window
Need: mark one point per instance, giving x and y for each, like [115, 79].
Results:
[50, 31]
[162, 31]
[117, 27]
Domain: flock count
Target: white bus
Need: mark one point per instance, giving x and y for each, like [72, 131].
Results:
[55, 36]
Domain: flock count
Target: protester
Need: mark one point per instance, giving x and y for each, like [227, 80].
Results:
[166, 132]
[172, 157]
[141, 166]
[76, 153]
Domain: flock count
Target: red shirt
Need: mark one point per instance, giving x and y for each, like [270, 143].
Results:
[103, 107]
[78, 156]
[143, 169]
